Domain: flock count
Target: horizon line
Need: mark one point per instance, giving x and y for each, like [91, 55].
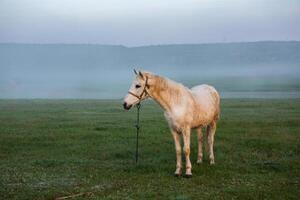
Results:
[147, 45]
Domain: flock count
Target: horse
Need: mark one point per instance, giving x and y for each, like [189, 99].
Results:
[184, 109]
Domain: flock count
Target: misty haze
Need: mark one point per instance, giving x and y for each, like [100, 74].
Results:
[257, 69]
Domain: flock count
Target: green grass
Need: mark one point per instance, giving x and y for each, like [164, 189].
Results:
[57, 148]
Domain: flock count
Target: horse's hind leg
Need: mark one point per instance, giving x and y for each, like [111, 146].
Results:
[200, 144]
[211, 129]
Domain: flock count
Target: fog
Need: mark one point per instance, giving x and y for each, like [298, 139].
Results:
[261, 69]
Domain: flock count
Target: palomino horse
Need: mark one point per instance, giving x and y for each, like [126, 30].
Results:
[184, 109]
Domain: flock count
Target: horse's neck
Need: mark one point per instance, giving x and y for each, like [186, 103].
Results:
[165, 92]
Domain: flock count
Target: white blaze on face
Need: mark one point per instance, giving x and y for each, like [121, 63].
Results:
[135, 88]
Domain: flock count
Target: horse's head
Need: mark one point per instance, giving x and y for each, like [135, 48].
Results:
[137, 91]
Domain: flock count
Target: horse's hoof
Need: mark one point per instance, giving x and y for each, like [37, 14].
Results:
[199, 162]
[188, 176]
[212, 162]
[177, 172]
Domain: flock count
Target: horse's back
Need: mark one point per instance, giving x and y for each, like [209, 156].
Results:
[205, 91]
[207, 96]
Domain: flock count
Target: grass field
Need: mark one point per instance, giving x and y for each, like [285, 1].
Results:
[85, 149]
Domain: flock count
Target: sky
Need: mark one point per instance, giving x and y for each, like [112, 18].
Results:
[148, 22]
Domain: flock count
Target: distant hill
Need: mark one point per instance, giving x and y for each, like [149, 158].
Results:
[105, 71]
[182, 55]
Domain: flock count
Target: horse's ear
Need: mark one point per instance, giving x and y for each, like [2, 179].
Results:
[141, 75]
[135, 72]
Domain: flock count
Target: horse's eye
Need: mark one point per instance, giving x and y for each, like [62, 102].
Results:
[137, 86]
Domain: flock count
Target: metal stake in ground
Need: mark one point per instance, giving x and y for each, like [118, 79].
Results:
[138, 106]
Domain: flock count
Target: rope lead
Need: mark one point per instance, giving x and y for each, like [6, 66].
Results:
[137, 126]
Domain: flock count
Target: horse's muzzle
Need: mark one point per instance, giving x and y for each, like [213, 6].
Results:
[126, 106]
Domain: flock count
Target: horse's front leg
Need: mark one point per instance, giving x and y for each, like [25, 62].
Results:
[186, 139]
[176, 137]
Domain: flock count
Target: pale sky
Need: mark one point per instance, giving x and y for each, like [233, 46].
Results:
[148, 22]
